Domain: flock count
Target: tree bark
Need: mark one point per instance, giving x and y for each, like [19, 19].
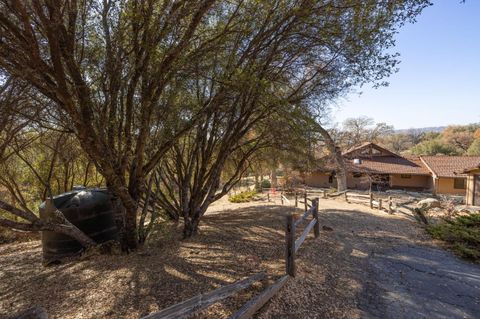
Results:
[57, 224]
[336, 153]
[273, 177]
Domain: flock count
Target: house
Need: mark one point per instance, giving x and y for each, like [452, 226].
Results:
[473, 185]
[370, 165]
[448, 175]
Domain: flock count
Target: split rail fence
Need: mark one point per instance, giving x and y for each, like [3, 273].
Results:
[193, 305]
[386, 204]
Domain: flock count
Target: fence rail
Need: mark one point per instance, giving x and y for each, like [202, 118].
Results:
[384, 204]
[257, 302]
[193, 305]
[292, 244]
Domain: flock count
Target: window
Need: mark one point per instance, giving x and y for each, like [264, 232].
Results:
[357, 175]
[405, 176]
[330, 179]
[460, 183]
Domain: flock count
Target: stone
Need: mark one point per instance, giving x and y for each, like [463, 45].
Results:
[429, 203]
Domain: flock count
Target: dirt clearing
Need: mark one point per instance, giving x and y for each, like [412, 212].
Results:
[236, 240]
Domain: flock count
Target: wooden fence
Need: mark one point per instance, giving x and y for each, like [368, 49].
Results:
[292, 244]
[368, 199]
[191, 306]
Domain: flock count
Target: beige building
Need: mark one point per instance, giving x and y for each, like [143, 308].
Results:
[371, 166]
[473, 186]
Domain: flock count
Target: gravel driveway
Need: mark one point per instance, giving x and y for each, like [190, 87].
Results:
[421, 282]
[376, 265]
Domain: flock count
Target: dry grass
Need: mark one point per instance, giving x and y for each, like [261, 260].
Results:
[236, 240]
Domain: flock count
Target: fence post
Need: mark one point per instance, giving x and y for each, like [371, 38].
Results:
[316, 228]
[371, 200]
[346, 196]
[305, 199]
[290, 246]
[324, 194]
[296, 199]
[281, 197]
[390, 204]
[268, 196]
[380, 204]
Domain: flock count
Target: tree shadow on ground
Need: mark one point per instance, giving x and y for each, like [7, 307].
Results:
[332, 271]
[231, 245]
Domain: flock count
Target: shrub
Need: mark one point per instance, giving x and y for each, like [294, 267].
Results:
[462, 234]
[266, 183]
[243, 197]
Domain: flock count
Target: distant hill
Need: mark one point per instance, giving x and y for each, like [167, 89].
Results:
[436, 129]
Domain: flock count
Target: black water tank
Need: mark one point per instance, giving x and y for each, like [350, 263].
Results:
[91, 210]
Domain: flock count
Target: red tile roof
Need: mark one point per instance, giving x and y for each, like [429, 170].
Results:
[450, 166]
[389, 165]
[440, 165]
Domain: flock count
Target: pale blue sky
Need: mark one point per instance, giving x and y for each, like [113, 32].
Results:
[439, 78]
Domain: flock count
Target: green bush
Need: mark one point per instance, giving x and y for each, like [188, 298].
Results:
[266, 183]
[243, 197]
[462, 234]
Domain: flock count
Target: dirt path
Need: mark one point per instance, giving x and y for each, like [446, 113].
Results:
[376, 265]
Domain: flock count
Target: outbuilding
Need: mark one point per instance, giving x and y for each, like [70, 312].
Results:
[473, 186]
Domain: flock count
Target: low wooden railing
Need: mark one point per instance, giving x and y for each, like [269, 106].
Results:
[369, 200]
[292, 244]
[193, 305]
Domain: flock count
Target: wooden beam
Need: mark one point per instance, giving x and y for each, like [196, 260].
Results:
[191, 306]
[316, 228]
[303, 218]
[358, 195]
[290, 246]
[257, 302]
[305, 200]
[304, 235]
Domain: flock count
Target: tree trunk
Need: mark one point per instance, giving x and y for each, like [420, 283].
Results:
[58, 223]
[190, 227]
[336, 153]
[273, 178]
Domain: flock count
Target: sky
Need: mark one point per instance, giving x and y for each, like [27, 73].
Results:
[438, 83]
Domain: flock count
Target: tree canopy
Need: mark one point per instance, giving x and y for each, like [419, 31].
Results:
[172, 91]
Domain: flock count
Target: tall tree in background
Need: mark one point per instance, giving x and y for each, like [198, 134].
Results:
[363, 129]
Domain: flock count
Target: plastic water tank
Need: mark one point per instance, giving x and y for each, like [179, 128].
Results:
[91, 210]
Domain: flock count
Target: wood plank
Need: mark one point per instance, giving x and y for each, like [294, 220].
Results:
[358, 195]
[191, 306]
[290, 246]
[257, 302]
[359, 200]
[337, 194]
[303, 218]
[305, 202]
[308, 205]
[304, 235]
[316, 228]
